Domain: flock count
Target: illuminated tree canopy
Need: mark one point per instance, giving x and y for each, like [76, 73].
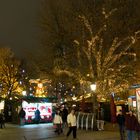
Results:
[9, 74]
[91, 41]
[111, 66]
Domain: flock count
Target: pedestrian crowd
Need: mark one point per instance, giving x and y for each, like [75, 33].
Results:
[129, 127]
[128, 123]
[63, 119]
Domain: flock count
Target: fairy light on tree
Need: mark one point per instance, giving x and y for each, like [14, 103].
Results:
[111, 67]
[105, 57]
[39, 87]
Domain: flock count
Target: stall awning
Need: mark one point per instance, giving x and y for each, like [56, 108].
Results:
[39, 99]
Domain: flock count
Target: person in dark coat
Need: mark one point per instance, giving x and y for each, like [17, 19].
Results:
[64, 116]
[130, 124]
[37, 116]
[121, 123]
[22, 114]
[2, 125]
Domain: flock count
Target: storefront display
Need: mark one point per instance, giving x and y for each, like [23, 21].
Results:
[1, 105]
[44, 108]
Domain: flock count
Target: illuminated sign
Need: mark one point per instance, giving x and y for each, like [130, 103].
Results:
[44, 108]
[1, 105]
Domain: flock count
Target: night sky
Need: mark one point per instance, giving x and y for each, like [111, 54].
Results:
[19, 20]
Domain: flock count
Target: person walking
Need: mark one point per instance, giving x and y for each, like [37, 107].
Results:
[2, 120]
[71, 120]
[22, 114]
[130, 124]
[64, 117]
[100, 118]
[58, 122]
[121, 123]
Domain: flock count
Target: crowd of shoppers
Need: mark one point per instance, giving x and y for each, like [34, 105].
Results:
[63, 119]
[128, 122]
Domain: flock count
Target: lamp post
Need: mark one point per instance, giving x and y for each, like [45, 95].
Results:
[94, 101]
[74, 98]
[93, 88]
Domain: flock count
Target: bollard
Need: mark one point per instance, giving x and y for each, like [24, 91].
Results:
[82, 121]
[78, 116]
[92, 122]
[87, 121]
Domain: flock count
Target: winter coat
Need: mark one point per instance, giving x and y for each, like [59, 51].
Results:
[22, 113]
[121, 119]
[71, 120]
[64, 115]
[1, 118]
[57, 119]
[37, 115]
[130, 122]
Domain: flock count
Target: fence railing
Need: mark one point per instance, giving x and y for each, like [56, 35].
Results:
[85, 120]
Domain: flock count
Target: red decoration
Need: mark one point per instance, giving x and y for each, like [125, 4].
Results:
[113, 110]
[83, 104]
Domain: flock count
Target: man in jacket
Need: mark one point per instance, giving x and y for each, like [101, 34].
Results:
[71, 120]
[130, 124]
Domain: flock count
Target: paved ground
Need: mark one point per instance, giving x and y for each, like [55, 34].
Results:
[46, 132]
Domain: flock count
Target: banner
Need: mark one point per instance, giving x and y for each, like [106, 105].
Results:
[113, 110]
[138, 103]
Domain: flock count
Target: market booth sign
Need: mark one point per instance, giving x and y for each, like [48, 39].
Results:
[44, 105]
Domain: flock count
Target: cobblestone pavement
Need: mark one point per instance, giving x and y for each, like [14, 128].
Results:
[46, 132]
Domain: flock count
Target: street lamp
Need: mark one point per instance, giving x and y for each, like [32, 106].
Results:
[24, 93]
[93, 88]
[74, 98]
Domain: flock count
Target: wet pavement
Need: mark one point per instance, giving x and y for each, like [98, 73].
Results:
[46, 132]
